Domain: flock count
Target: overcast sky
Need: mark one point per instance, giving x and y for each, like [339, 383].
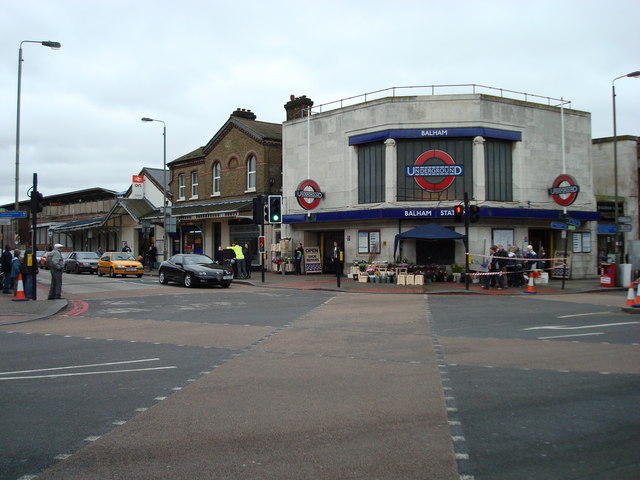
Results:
[192, 62]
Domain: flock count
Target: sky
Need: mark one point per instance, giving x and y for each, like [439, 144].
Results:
[193, 62]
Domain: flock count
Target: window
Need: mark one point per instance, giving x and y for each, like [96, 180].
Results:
[194, 184]
[181, 186]
[371, 173]
[369, 241]
[498, 171]
[216, 179]
[251, 173]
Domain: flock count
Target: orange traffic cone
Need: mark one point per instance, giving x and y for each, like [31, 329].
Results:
[637, 302]
[631, 296]
[530, 287]
[20, 297]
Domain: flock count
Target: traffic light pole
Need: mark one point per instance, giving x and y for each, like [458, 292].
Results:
[466, 240]
[34, 237]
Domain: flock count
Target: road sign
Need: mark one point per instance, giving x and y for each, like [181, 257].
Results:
[624, 219]
[13, 214]
[559, 226]
[573, 221]
[571, 227]
[624, 227]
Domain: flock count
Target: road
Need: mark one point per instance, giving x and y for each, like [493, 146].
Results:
[139, 380]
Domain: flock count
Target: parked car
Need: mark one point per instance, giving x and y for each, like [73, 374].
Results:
[194, 269]
[119, 263]
[79, 262]
[40, 256]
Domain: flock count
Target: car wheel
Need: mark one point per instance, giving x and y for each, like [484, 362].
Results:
[188, 280]
[162, 278]
[112, 274]
[139, 275]
[225, 284]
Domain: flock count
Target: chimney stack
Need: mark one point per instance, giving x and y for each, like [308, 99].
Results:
[244, 113]
[298, 107]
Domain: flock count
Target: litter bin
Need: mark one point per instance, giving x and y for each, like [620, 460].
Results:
[607, 274]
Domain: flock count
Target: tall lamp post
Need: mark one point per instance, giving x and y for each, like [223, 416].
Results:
[615, 161]
[46, 43]
[164, 182]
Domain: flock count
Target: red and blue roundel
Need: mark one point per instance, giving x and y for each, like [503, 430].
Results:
[434, 163]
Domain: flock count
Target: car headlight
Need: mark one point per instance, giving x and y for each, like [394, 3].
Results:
[201, 273]
[119, 266]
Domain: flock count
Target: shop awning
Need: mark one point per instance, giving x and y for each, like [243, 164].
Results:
[428, 231]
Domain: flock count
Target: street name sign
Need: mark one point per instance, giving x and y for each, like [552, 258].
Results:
[624, 227]
[559, 226]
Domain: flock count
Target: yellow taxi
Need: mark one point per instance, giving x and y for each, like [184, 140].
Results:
[119, 263]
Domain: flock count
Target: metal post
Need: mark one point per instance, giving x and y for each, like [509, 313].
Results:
[466, 240]
[34, 238]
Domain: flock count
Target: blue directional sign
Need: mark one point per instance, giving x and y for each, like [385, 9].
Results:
[573, 221]
[559, 226]
[13, 214]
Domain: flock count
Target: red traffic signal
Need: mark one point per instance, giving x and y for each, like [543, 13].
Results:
[458, 213]
[261, 244]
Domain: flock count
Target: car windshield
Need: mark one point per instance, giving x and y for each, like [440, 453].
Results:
[87, 255]
[122, 256]
[197, 260]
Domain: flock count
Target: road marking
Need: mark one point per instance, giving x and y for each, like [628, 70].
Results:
[574, 335]
[78, 374]
[565, 327]
[584, 314]
[91, 365]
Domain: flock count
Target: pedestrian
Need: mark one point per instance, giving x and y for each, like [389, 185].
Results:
[542, 258]
[246, 251]
[336, 259]
[152, 254]
[56, 264]
[29, 268]
[126, 248]
[239, 260]
[500, 259]
[220, 255]
[7, 258]
[99, 251]
[16, 270]
[530, 257]
[298, 255]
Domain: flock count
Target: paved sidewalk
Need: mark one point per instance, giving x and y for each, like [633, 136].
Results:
[24, 311]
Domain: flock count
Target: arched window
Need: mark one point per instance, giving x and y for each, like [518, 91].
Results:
[216, 179]
[251, 173]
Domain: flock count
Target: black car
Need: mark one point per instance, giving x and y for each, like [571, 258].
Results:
[78, 262]
[193, 269]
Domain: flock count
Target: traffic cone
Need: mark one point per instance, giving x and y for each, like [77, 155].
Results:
[530, 287]
[631, 296]
[637, 302]
[20, 297]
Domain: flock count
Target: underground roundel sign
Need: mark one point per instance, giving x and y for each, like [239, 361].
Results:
[434, 170]
[308, 194]
[564, 190]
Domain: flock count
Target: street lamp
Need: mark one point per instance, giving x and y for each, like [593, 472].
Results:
[164, 182]
[46, 43]
[615, 161]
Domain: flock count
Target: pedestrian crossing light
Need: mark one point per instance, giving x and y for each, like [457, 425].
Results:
[275, 208]
[458, 213]
[474, 213]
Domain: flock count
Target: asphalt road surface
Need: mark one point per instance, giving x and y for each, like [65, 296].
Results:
[138, 380]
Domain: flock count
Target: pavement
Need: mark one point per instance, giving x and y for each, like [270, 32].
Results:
[25, 311]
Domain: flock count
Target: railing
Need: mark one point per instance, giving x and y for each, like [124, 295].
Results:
[474, 88]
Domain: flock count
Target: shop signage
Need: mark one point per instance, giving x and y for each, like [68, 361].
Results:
[308, 194]
[564, 190]
[137, 186]
[447, 169]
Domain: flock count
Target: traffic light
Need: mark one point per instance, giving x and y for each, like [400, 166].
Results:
[37, 202]
[458, 213]
[474, 213]
[275, 208]
[261, 244]
[258, 210]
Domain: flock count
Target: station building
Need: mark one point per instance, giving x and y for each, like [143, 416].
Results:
[363, 173]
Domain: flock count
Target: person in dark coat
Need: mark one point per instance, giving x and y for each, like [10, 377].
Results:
[7, 258]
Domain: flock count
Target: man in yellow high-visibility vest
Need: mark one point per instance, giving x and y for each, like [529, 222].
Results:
[237, 249]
